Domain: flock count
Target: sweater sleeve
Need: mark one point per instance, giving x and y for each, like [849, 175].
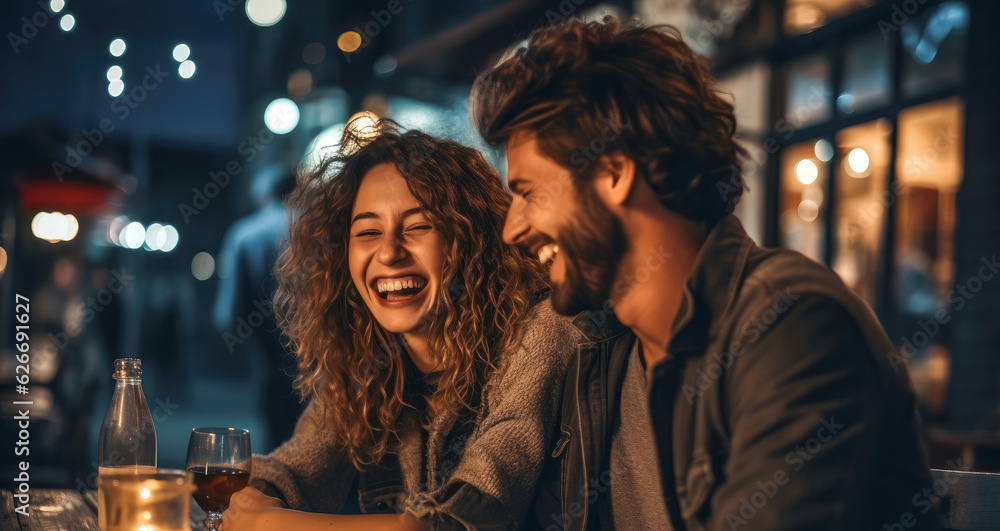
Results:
[308, 472]
[494, 483]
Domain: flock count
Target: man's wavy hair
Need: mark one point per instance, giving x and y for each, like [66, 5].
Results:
[619, 86]
[347, 362]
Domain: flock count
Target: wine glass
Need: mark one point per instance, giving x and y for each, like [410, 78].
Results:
[220, 459]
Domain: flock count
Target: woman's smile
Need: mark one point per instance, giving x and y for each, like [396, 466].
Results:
[396, 254]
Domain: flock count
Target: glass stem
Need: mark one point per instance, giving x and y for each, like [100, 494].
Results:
[213, 521]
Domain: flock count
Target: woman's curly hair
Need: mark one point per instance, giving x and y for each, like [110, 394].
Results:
[619, 86]
[347, 362]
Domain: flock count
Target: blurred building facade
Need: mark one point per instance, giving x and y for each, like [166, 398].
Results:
[873, 140]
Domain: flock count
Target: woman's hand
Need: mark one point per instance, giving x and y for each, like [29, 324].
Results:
[245, 509]
[252, 510]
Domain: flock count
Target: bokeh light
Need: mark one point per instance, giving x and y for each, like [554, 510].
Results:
[54, 226]
[823, 150]
[858, 162]
[115, 72]
[117, 47]
[133, 236]
[57, 5]
[67, 22]
[265, 12]
[384, 66]
[349, 41]
[808, 210]
[72, 227]
[170, 238]
[300, 82]
[281, 116]
[314, 53]
[181, 52]
[806, 171]
[115, 229]
[202, 266]
[186, 69]
[116, 87]
[155, 237]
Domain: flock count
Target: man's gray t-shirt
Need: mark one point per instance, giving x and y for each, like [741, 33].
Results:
[636, 492]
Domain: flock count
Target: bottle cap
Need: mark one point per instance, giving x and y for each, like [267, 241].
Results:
[127, 368]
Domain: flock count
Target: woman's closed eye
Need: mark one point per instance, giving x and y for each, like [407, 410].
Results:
[420, 228]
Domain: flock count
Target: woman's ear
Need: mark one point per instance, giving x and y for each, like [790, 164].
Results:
[615, 179]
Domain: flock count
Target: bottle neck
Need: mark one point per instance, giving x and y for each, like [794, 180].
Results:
[128, 387]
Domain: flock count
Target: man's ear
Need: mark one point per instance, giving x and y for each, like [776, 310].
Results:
[616, 178]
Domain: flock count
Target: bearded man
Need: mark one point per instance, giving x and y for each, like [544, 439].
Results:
[722, 385]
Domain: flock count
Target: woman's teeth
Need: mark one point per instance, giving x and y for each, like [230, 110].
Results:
[398, 285]
[547, 252]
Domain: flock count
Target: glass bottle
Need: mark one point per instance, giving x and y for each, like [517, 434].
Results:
[128, 438]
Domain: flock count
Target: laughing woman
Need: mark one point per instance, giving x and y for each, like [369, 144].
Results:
[433, 365]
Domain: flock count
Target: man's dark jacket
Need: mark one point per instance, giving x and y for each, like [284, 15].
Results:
[781, 406]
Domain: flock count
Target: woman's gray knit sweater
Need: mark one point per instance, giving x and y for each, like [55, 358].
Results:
[492, 484]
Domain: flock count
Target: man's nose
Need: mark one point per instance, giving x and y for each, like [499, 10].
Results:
[391, 250]
[516, 225]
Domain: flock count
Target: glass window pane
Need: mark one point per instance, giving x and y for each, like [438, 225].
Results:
[808, 91]
[803, 183]
[866, 74]
[929, 172]
[803, 16]
[861, 176]
[933, 48]
[929, 169]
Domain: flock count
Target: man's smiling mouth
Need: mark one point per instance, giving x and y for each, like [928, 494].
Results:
[547, 253]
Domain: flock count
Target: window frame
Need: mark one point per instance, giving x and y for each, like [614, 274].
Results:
[831, 41]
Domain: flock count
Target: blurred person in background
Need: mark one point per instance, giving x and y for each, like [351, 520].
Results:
[432, 361]
[243, 305]
[754, 378]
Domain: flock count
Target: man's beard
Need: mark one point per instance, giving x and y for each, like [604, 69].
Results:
[592, 247]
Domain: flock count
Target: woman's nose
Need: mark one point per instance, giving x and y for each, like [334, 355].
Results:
[391, 250]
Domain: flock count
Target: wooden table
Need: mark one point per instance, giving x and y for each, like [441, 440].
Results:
[57, 509]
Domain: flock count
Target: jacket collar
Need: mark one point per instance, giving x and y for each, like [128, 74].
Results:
[598, 325]
[712, 285]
